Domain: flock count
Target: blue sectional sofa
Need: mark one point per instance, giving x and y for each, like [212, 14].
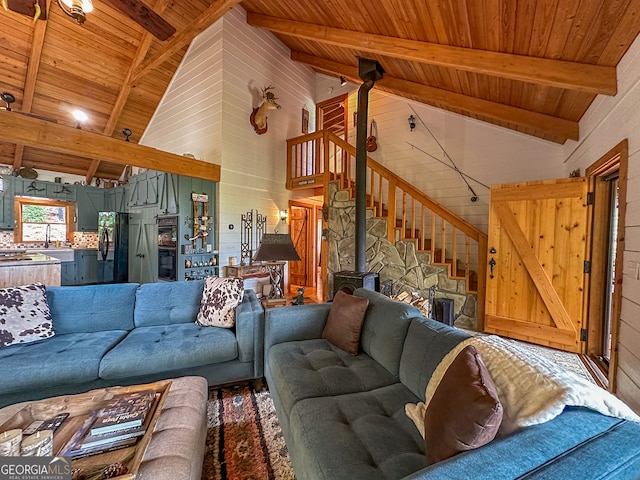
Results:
[343, 417]
[123, 334]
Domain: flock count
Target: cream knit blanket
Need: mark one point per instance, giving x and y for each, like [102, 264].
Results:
[531, 389]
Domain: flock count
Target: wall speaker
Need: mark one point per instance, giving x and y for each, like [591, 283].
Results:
[348, 281]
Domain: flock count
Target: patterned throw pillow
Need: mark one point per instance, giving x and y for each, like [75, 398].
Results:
[220, 298]
[24, 315]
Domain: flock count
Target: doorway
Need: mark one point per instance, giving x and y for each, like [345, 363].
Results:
[303, 229]
[608, 176]
[332, 114]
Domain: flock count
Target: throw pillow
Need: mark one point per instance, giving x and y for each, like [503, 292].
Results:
[465, 412]
[220, 298]
[345, 320]
[24, 315]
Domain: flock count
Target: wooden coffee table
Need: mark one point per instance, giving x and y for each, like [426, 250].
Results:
[186, 392]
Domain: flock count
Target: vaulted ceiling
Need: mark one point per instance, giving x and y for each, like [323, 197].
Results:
[533, 66]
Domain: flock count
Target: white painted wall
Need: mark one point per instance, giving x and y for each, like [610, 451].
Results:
[606, 123]
[206, 109]
[488, 154]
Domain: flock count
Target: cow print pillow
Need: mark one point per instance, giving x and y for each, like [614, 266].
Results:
[24, 315]
[220, 298]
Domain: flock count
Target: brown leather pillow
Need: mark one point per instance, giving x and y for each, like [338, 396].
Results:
[465, 412]
[344, 324]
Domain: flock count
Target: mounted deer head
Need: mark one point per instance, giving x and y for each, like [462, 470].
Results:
[258, 117]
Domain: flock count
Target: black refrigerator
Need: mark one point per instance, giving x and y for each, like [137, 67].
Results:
[113, 247]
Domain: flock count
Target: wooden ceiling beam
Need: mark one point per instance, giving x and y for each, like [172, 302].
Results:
[125, 90]
[39, 30]
[34, 132]
[594, 79]
[557, 127]
[212, 14]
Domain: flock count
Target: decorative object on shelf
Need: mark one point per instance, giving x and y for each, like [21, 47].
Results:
[258, 117]
[276, 249]
[201, 221]
[28, 173]
[33, 187]
[343, 81]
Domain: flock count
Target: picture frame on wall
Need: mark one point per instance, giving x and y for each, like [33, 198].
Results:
[305, 120]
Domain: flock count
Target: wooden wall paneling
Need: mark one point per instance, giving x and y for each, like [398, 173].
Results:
[626, 29]
[628, 391]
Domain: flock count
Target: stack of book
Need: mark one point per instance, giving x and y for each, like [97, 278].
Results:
[117, 425]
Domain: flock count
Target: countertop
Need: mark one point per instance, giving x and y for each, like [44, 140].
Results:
[27, 259]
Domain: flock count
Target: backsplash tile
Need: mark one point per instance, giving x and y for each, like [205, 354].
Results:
[80, 240]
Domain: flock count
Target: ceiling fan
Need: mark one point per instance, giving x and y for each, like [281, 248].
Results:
[136, 10]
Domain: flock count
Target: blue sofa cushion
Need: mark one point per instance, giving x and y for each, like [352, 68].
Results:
[313, 368]
[92, 308]
[162, 348]
[385, 328]
[167, 303]
[363, 435]
[61, 360]
[427, 343]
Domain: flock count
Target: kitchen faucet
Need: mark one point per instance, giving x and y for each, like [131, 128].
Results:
[47, 236]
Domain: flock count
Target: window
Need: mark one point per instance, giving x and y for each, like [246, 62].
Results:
[37, 219]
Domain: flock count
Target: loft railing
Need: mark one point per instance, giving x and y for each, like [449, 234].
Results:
[316, 159]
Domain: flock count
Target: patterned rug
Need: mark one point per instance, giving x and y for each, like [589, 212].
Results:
[244, 440]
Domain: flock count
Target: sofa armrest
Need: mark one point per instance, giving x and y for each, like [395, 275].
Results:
[250, 331]
[299, 322]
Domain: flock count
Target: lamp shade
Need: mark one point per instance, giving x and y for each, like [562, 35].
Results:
[275, 247]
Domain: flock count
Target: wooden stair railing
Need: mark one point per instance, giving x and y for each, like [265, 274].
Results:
[316, 159]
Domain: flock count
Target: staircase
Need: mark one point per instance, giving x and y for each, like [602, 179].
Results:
[318, 158]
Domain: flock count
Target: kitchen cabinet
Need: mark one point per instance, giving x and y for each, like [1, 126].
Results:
[86, 267]
[6, 203]
[115, 200]
[68, 273]
[60, 191]
[142, 189]
[143, 246]
[30, 188]
[90, 201]
[168, 193]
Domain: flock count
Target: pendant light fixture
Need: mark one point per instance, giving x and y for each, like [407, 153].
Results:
[76, 9]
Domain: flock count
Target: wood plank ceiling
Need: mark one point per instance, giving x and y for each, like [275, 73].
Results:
[533, 66]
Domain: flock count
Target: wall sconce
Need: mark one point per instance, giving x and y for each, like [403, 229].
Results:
[127, 133]
[343, 81]
[284, 214]
[412, 122]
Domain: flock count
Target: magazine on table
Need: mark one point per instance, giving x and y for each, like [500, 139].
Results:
[84, 443]
[123, 412]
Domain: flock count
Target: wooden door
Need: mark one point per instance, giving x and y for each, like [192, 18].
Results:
[538, 236]
[299, 227]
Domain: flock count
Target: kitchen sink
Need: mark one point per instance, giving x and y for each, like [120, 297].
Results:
[63, 254]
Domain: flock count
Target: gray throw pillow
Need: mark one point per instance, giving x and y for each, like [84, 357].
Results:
[24, 315]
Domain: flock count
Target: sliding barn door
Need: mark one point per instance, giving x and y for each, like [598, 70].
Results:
[536, 280]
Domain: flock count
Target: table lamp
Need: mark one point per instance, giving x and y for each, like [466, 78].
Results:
[275, 249]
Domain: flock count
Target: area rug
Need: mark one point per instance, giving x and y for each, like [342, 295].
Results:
[244, 439]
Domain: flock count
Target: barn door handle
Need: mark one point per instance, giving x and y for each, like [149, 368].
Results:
[492, 263]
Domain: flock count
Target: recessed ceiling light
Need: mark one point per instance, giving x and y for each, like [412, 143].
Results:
[80, 116]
